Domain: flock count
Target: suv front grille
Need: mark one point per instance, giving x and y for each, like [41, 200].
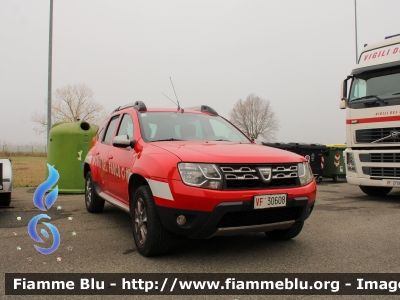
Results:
[373, 134]
[244, 177]
[260, 216]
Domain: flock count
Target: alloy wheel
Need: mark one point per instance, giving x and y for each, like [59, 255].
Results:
[140, 221]
[88, 192]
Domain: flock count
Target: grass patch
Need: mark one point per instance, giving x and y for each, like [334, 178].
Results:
[28, 171]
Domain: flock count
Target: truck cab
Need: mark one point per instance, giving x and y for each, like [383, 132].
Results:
[372, 105]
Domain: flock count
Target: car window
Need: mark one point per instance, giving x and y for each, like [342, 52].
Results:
[101, 129]
[126, 126]
[159, 126]
[110, 130]
[224, 132]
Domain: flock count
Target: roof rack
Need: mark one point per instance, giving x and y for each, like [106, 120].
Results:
[204, 108]
[138, 105]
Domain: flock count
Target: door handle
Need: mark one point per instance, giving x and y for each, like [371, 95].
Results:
[110, 157]
[97, 153]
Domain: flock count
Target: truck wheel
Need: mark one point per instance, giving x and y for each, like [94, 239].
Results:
[94, 204]
[5, 199]
[375, 190]
[151, 238]
[285, 234]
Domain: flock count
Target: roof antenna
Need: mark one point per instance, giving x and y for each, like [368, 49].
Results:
[179, 107]
[170, 99]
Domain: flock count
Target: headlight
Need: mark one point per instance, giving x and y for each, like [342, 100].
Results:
[305, 173]
[200, 175]
[350, 162]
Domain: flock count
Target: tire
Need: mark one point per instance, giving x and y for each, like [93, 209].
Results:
[151, 238]
[375, 190]
[286, 234]
[94, 204]
[5, 199]
[319, 179]
[335, 178]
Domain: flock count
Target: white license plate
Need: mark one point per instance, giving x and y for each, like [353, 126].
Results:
[389, 182]
[268, 201]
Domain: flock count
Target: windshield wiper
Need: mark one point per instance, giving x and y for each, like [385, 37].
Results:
[396, 93]
[371, 102]
[221, 140]
[171, 139]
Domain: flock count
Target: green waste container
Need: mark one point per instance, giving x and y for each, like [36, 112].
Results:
[67, 148]
[334, 162]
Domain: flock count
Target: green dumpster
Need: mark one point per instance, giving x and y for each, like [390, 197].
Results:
[67, 147]
[334, 162]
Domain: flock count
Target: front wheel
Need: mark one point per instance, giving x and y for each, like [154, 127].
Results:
[5, 199]
[94, 204]
[375, 190]
[151, 238]
[286, 234]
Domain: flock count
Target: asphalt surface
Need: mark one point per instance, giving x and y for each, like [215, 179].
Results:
[348, 232]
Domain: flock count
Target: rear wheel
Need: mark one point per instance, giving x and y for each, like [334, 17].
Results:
[94, 204]
[5, 199]
[375, 190]
[286, 234]
[151, 238]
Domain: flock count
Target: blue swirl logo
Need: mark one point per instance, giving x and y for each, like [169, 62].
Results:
[48, 202]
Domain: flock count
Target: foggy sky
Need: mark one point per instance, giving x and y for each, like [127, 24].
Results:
[294, 53]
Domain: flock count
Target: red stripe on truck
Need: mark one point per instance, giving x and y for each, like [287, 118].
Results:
[373, 120]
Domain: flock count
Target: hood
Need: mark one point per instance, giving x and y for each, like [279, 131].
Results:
[227, 152]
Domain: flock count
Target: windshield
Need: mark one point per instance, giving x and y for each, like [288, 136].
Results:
[169, 126]
[376, 85]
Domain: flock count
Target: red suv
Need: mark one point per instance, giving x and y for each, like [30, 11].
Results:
[191, 172]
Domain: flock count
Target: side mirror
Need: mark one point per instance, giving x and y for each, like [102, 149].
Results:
[122, 141]
[343, 93]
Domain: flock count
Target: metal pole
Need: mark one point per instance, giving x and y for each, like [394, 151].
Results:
[355, 19]
[50, 68]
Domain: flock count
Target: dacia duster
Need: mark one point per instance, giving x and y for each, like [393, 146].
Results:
[191, 172]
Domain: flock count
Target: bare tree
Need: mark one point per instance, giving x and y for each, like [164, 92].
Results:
[255, 117]
[72, 103]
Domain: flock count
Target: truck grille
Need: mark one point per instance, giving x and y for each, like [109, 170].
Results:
[243, 177]
[383, 172]
[260, 216]
[385, 157]
[373, 134]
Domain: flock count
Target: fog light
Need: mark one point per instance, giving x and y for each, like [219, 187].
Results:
[350, 162]
[215, 185]
[181, 220]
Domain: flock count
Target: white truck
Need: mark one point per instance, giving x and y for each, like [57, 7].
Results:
[373, 118]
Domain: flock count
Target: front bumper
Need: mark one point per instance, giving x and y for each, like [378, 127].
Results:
[236, 217]
[372, 172]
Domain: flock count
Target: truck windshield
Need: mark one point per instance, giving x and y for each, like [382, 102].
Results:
[172, 126]
[376, 84]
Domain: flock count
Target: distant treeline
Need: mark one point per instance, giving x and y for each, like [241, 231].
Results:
[23, 149]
